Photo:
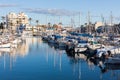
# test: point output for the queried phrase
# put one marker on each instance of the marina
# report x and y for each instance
(59, 40)
(58, 53)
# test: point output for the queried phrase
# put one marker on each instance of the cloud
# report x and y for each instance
(54, 12)
(8, 5)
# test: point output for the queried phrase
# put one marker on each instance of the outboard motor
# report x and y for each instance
(109, 53)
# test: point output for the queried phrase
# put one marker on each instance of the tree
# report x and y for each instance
(1, 26)
(3, 18)
(49, 24)
(43, 27)
(55, 26)
(85, 24)
(37, 21)
(30, 19)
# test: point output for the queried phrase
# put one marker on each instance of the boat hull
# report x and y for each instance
(7, 45)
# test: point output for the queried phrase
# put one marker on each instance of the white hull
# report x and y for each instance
(14, 45)
(115, 51)
(79, 49)
(15, 41)
(7, 45)
(96, 46)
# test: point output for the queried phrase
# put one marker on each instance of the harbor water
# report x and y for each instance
(36, 60)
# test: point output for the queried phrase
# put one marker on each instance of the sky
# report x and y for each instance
(65, 11)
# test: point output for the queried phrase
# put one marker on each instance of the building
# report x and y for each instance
(13, 20)
(98, 24)
(68, 28)
(22, 18)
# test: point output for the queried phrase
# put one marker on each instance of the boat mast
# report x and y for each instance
(111, 18)
(88, 19)
(72, 22)
(103, 22)
(46, 19)
(111, 22)
(60, 19)
(79, 22)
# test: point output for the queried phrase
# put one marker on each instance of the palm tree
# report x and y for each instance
(43, 27)
(49, 24)
(55, 26)
(60, 26)
(3, 19)
(37, 21)
(30, 19)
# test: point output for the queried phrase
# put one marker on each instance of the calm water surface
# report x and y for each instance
(35, 60)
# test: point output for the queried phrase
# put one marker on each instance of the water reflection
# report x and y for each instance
(13, 53)
(35, 60)
(95, 65)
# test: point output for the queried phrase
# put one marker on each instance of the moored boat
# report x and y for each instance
(6, 45)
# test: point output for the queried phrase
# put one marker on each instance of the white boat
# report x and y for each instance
(96, 46)
(6, 45)
(15, 41)
(115, 50)
(19, 40)
(81, 47)
(14, 45)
